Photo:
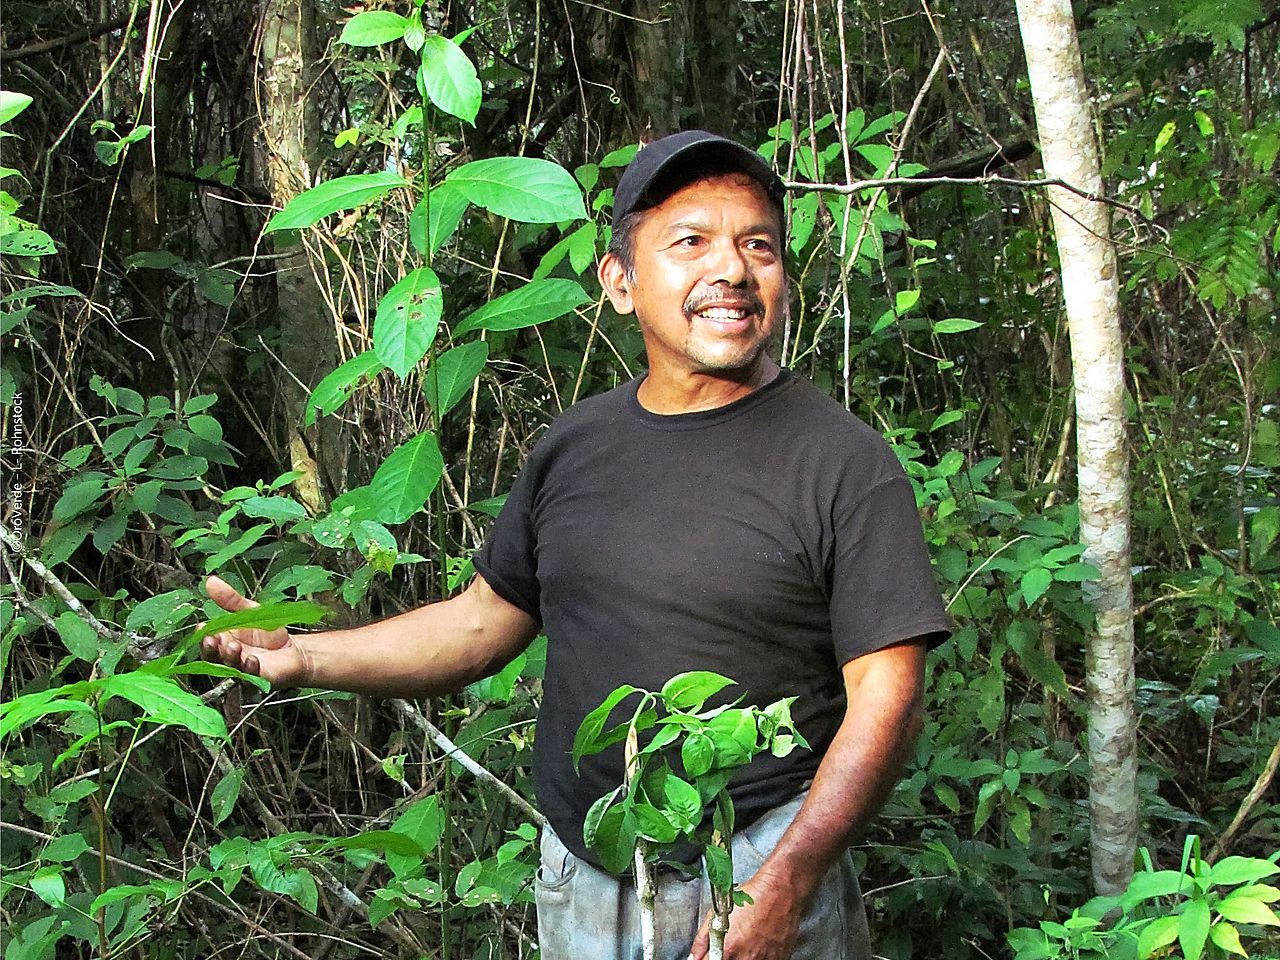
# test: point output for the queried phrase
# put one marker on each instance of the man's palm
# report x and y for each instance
(271, 654)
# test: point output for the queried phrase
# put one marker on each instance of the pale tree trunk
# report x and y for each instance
(289, 125)
(1091, 292)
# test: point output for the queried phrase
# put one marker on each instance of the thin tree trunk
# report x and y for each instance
(1091, 292)
(308, 342)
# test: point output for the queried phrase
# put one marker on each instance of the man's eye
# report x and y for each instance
(690, 241)
(761, 246)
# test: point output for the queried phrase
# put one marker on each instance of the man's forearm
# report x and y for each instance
(859, 769)
(438, 648)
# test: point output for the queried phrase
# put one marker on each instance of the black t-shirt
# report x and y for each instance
(770, 540)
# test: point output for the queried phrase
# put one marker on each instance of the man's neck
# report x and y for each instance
(671, 392)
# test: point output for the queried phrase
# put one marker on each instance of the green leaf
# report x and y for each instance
(423, 823)
(222, 799)
(436, 217)
(275, 509)
(450, 378)
(372, 27)
(341, 193)
(521, 188)
(697, 753)
(653, 824)
(595, 814)
(1035, 583)
(688, 691)
(535, 302)
(398, 842)
(199, 668)
(615, 839)
(719, 867)
(683, 801)
(735, 736)
(585, 740)
(235, 547)
(66, 848)
(448, 78)
(12, 104)
(1229, 871)
(77, 498)
(406, 478)
(268, 616)
(407, 319)
(336, 388)
(161, 614)
(1227, 938)
(47, 884)
(988, 794)
(955, 325)
(163, 701)
(77, 636)
(1243, 908)
(1156, 935)
(879, 155)
(1193, 928)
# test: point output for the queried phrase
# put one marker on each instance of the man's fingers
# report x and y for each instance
(702, 942)
(226, 596)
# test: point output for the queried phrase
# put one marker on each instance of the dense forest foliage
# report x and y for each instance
(291, 289)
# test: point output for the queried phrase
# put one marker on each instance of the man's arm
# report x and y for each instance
(435, 649)
(885, 691)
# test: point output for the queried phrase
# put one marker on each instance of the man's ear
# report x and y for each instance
(613, 278)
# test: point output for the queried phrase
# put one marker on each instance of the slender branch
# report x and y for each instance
(1260, 787)
(79, 36)
(454, 752)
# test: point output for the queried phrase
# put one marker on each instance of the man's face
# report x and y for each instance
(708, 285)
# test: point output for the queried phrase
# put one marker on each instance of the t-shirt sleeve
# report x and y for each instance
(508, 559)
(883, 589)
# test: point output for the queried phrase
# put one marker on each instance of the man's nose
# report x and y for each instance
(728, 265)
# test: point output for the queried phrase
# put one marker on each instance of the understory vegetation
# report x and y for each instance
(290, 291)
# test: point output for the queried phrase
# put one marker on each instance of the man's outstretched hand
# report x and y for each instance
(271, 654)
(764, 929)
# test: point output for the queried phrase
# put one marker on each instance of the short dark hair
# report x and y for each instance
(700, 167)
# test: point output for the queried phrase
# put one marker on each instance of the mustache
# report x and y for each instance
(698, 301)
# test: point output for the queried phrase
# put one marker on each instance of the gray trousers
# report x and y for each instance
(586, 914)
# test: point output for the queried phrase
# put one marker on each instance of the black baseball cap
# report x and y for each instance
(656, 162)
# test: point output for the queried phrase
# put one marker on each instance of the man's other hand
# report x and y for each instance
(764, 929)
(271, 654)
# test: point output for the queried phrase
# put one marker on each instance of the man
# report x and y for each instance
(716, 513)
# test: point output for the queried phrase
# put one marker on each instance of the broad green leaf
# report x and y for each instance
(1232, 870)
(406, 478)
(236, 547)
(955, 325)
(615, 839)
(735, 736)
(535, 302)
(878, 154)
(1193, 928)
(47, 884)
(423, 823)
(407, 319)
(591, 823)
(25, 709)
(653, 824)
(12, 104)
(1165, 135)
(164, 701)
(584, 741)
(448, 78)
(161, 614)
(335, 389)
(449, 379)
(341, 193)
(78, 498)
(683, 800)
(372, 27)
(386, 841)
(77, 636)
(222, 799)
(436, 217)
(697, 753)
(268, 616)
(1227, 938)
(521, 188)
(688, 691)
(944, 419)
(1242, 908)
(1035, 583)
(200, 668)
(66, 848)
(1156, 935)
(719, 867)
(276, 509)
